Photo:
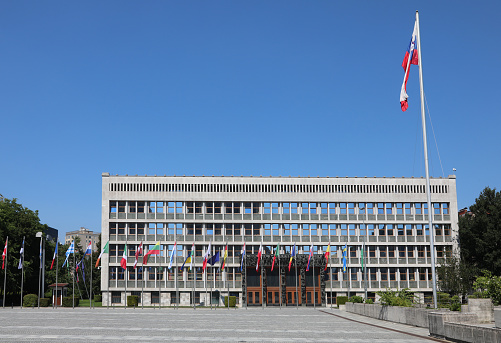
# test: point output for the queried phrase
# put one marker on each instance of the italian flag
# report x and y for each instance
(154, 251)
(105, 250)
(123, 263)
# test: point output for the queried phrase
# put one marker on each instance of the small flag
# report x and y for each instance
(40, 254)
(215, 258)
(327, 253)
(139, 252)
(105, 250)
(153, 251)
(88, 251)
(345, 253)
(224, 257)
(242, 253)
(173, 252)
(71, 250)
(4, 254)
(309, 258)
(292, 255)
(206, 257)
(259, 253)
(21, 258)
(275, 255)
(55, 254)
(411, 57)
(189, 258)
(123, 262)
(83, 267)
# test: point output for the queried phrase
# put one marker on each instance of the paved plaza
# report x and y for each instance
(200, 325)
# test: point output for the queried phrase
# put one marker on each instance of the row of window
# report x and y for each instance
(230, 229)
(272, 188)
(372, 251)
(276, 207)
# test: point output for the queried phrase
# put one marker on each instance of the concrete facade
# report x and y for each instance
(387, 215)
(85, 235)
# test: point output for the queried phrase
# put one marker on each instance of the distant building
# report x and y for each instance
(85, 236)
(51, 234)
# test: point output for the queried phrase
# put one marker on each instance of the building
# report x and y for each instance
(85, 236)
(51, 234)
(389, 216)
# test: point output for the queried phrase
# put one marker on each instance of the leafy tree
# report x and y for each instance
(488, 286)
(480, 232)
(456, 277)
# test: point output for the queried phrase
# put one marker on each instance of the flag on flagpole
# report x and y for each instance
(345, 253)
(224, 257)
(153, 251)
(215, 258)
(189, 257)
(309, 258)
(88, 251)
(327, 253)
(40, 253)
(259, 253)
(55, 254)
(275, 255)
(411, 57)
(172, 254)
(242, 254)
(139, 252)
(123, 262)
(105, 250)
(206, 257)
(293, 254)
(71, 250)
(4, 254)
(83, 267)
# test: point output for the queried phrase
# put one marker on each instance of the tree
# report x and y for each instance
(456, 277)
(480, 232)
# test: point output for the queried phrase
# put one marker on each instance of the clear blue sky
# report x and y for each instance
(239, 88)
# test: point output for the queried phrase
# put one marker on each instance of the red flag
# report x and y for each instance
(206, 257)
(259, 253)
(55, 254)
(4, 254)
(411, 57)
(139, 252)
(327, 253)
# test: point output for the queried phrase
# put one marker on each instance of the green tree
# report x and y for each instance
(455, 276)
(480, 232)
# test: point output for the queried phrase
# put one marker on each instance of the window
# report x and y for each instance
(384, 274)
(445, 208)
(403, 274)
(179, 207)
(380, 208)
(400, 229)
(447, 230)
(190, 229)
(342, 208)
(228, 208)
(217, 207)
(155, 297)
(274, 207)
(335, 273)
(344, 230)
(351, 208)
(113, 273)
(389, 208)
(354, 274)
(324, 208)
(372, 251)
(400, 208)
(287, 230)
(393, 274)
(382, 251)
(391, 251)
(370, 229)
(286, 208)
(198, 207)
(410, 251)
(113, 207)
(236, 207)
(438, 230)
(352, 230)
(361, 208)
(408, 208)
(419, 230)
(294, 207)
(389, 230)
(325, 229)
(294, 228)
(370, 208)
(313, 228)
(332, 208)
(408, 229)
(121, 207)
(112, 228)
(412, 274)
(116, 297)
(421, 250)
(171, 207)
(306, 229)
(401, 252)
(313, 207)
(373, 274)
(151, 207)
(304, 208)
(419, 208)
(160, 207)
(332, 229)
(381, 231)
(436, 208)
(267, 208)
(247, 208)
(275, 230)
(132, 207)
(267, 229)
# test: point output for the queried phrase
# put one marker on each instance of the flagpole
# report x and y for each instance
(57, 267)
(175, 278)
(194, 272)
(348, 270)
(295, 263)
(108, 280)
(314, 294)
(90, 296)
(22, 273)
(125, 273)
(5, 271)
(40, 270)
(245, 271)
(74, 271)
(160, 285)
(226, 272)
(279, 280)
(142, 283)
(425, 148)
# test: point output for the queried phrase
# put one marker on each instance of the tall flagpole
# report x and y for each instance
(22, 274)
(74, 271)
(125, 273)
(245, 271)
(314, 294)
(279, 279)
(175, 277)
(90, 295)
(425, 147)
(40, 270)
(295, 262)
(107, 278)
(143, 278)
(57, 265)
(348, 269)
(5, 271)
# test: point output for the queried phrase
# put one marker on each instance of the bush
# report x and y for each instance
(68, 301)
(233, 301)
(488, 286)
(396, 298)
(132, 300)
(98, 298)
(30, 300)
(443, 300)
(44, 302)
(356, 299)
(369, 301)
(341, 300)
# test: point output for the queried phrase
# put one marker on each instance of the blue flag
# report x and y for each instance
(345, 252)
(215, 258)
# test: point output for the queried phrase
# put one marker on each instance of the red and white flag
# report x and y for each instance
(309, 258)
(206, 258)
(123, 262)
(411, 57)
(55, 255)
(139, 252)
(259, 253)
(4, 254)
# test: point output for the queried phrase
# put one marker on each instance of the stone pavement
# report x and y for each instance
(200, 325)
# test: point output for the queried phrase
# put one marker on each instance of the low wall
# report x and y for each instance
(497, 316)
(405, 315)
(483, 308)
(460, 327)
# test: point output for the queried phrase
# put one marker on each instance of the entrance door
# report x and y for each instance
(273, 297)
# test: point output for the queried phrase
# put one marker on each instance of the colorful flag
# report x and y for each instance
(83, 267)
(327, 253)
(242, 254)
(292, 255)
(206, 258)
(123, 262)
(277, 253)
(411, 57)
(88, 251)
(40, 254)
(172, 254)
(189, 258)
(71, 250)
(345, 253)
(105, 250)
(309, 258)
(154, 251)
(214, 259)
(55, 254)
(259, 253)
(4, 254)
(224, 257)
(139, 252)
